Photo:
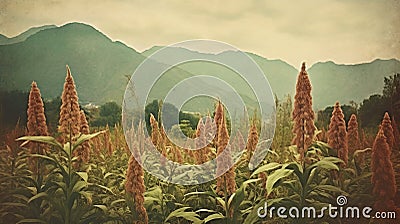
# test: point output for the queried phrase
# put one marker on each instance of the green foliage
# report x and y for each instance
(109, 114)
(13, 108)
(96, 194)
(191, 118)
(156, 108)
(61, 195)
(188, 120)
(284, 124)
(373, 108)
(52, 111)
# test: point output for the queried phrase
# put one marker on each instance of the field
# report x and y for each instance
(78, 174)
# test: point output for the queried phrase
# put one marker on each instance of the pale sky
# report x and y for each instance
(344, 31)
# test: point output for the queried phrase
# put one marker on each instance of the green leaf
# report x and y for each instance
(266, 168)
(87, 195)
(101, 187)
(13, 204)
(40, 195)
(311, 177)
(236, 199)
(296, 167)
(84, 175)
(67, 149)
(102, 207)
(327, 163)
(79, 185)
(365, 175)
(275, 177)
(222, 202)
(31, 221)
(205, 210)
(108, 174)
(245, 183)
(208, 193)
(253, 216)
(117, 201)
(213, 217)
(331, 188)
(82, 138)
(182, 213)
(44, 157)
(42, 139)
(156, 192)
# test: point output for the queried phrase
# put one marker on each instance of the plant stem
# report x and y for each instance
(226, 201)
(69, 180)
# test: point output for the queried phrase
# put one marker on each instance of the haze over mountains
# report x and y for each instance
(101, 66)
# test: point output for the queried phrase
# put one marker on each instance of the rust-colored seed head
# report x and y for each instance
(383, 181)
(107, 141)
(263, 176)
(96, 143)
(157, 138)
(252, 140)
(337, 135)
(225, 182)
(36, 118)
(396, 134)
(388, 130)
(303, 114)
(117, 137)
(36, 125)
(209, 129)
(240, 143)
(135, 187)
(176, 154)
(155, 133)
(210, 132)
(219, 113)
(12, 146)
(352, 135)
(69, 111)
(83, 152)
(202, 152)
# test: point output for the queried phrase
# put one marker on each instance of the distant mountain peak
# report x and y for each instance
(99, 63)
(4, 40)
(74, 25)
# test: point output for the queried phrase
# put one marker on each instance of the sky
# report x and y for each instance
(343, 31)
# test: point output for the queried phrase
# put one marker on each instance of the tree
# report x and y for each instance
(170, 111)
(391, 91)
(372, 110)
(13, 108)
(52, 110)
(109, 114)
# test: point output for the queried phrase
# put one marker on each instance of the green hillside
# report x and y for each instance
(332, 82)
(101, 66)
(23, 36)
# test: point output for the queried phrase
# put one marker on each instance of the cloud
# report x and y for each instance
(346, 31)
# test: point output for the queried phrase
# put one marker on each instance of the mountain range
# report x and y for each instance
(101, 68)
